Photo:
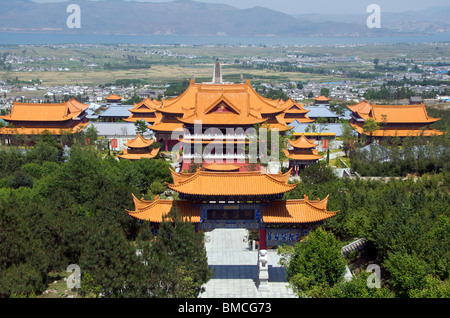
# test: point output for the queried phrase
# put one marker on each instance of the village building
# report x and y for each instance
(393, 120)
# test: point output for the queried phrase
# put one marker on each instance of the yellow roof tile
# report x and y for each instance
(154, 211)
(44, 112)
(303, 142)
(139, 142)
(296, 211)
(232, 183)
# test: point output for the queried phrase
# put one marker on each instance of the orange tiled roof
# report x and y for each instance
(45, 112)
(290, 211)
(413, 114)
(113, 97)
(313, 155)
(303, 143)
(322, 98)
(154, 211)
(166, 126)
(235, 104)
(296, 108)
(145, 106)
(297, 211)
(136, 155)
(231, 183)
(282, 177)
(40, 130)
(179, 177)
(75, 106)
(401, 114)
(399, 132)
(139, 142)
(134, 118)
(299, 119)
(363, 108)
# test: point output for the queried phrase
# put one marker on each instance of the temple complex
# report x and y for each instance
(393, 120)
(251, 200)
(34, 119)
(139, 148)
(215, 116)
(301, 153)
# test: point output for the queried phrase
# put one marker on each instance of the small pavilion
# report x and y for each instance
(301, 153)
(114, 99)
(139, 148)
(322, 100)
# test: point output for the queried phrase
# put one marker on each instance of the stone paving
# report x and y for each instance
(236, 268)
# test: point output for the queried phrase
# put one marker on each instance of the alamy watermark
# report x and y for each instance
(74, 280)
(374, 279)
(374, 19)
(241, 145)
(74, 19)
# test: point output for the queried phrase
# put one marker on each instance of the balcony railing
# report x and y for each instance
(215, 156)
(215, 136)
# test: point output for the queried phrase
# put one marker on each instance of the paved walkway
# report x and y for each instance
(236, 269)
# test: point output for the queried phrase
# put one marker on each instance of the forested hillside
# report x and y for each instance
(60, 208)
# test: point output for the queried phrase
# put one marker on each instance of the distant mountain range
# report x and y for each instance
(193, 18)
(431, 20)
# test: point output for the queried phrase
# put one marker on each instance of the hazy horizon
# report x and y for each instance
(311, 7)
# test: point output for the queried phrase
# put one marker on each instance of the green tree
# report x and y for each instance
(348, 135)
(141, 126)
(176, 261)
(407, 272)
(357, 288)
(23, 261)
(325, 92)
(111, 262)
(370, 126)
(433, 288)
(316, 264)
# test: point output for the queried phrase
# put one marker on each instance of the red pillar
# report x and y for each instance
(166, 142)
(262, 239)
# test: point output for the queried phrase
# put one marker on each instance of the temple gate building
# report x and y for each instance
(250, 200)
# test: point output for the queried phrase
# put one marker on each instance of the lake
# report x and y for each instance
(7, 38)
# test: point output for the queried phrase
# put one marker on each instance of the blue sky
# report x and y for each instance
(318, 6)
